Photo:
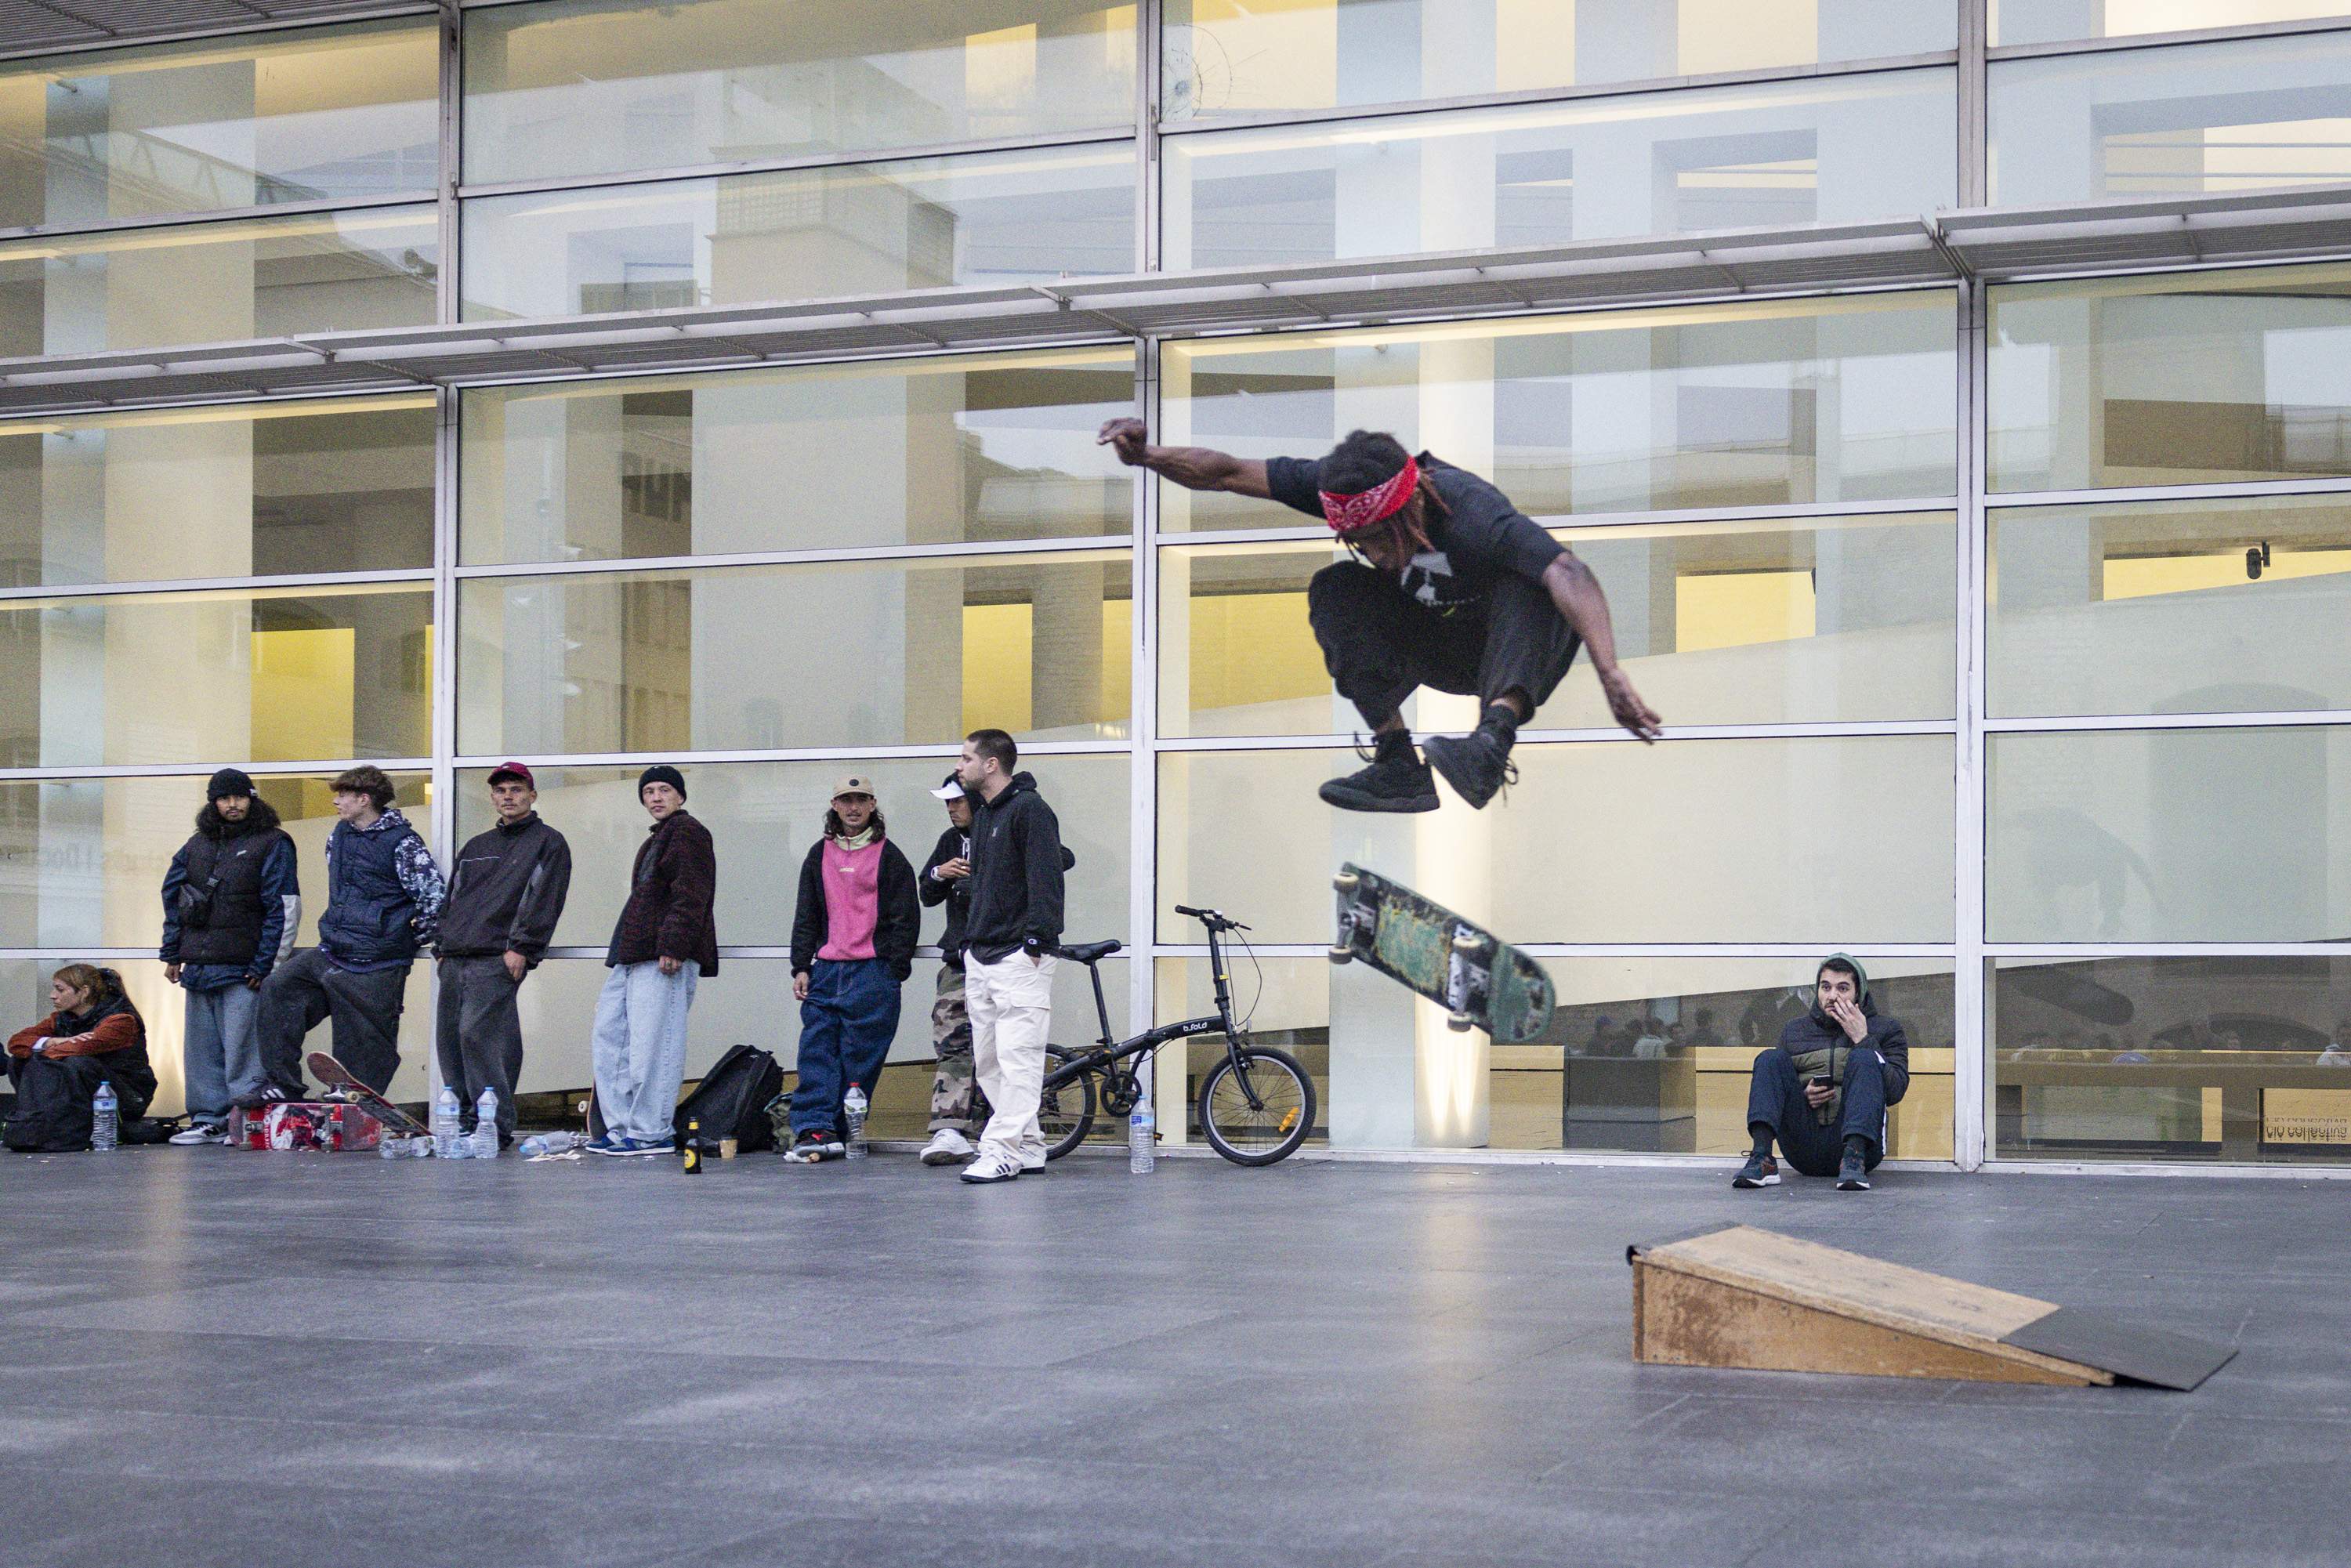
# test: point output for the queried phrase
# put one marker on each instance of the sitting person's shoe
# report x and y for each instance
(1760, 1170)
(1853, 1174)
(196, 1133)
(1395, 780)
(946, 1147)
(1478, 764)
(993, 1167)
(814, 1144)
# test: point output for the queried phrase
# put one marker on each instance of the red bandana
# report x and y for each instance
(1351, 514)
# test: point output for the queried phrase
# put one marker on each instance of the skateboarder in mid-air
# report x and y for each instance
(1450, 587)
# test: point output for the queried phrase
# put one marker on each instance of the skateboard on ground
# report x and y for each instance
(339, 1080)
(1481, 980)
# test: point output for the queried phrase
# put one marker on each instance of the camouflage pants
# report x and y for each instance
(955, 1103)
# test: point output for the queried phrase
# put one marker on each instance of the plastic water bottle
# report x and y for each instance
(853, 1106)
(485, 1126)
(539, 1144)
(1141, 1139)
(105, 1118)
(445, 1124)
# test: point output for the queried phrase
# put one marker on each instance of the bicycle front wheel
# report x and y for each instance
(1065, 1115)
(1258, 1112)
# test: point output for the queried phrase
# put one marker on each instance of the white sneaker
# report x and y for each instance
(946, 1147)
(200, 1133)
(993, 1167)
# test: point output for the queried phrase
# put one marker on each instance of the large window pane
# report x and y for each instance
(2171, 380)
(2057, 21)
(2224, 606)
(1644, 1055)
(589, 87)
(227, 122)
(1007, 217)
(2175, 835)
(339, 486)
(1730, 405)
(940, 451)
(859, 653)
(1240, 57)
(2170, 1059)
(82, 859)
(763, 816)
(1838, 149)
(1740, 623)
(220, 282)
(2193, 119)
(1842, 840)
(272, 675)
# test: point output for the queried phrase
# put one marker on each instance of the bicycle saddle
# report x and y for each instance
(1090, 951)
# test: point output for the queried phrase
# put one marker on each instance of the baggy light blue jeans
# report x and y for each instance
(220, 1054)
(640, 1048)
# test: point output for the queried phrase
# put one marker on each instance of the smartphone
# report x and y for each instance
(1823, 1081)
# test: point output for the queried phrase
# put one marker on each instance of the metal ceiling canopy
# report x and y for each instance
(2108, 236)
(43, 26)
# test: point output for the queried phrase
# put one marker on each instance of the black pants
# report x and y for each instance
(1775, 1098)
(306, 989)
(1380, 645)
(479, 1034)
(52, 1113)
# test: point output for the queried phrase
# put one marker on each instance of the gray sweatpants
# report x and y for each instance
(478, 1034)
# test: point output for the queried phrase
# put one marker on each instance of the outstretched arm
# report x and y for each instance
(1193, 468)
(1585, 608)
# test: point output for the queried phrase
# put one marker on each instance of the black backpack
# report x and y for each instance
(731, 1100)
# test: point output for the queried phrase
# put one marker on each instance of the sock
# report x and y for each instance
(1856, 1147)
(1762, 1130)
(1392, 746)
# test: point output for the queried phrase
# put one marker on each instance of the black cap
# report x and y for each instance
(229, 781)
(661, 773)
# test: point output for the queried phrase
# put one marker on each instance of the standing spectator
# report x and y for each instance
(92, 1035)
(1011, 930)
(857, 899)
(383, 902)
(232, 903)
(666, 937)
(506, 889)
(946, 879)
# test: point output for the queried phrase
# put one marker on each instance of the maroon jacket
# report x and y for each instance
(671, 890)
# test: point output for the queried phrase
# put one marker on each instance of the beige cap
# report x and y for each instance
(855, 784)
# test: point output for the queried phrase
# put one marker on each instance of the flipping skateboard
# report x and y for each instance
(1481, 980)
(339, 1080)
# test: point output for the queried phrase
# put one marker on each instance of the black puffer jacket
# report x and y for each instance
(1819, 1044)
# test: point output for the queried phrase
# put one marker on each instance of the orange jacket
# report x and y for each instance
(114, 1032)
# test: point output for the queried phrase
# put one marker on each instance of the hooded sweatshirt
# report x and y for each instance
(1819, 1044)
(853, 899)
(1016, 875)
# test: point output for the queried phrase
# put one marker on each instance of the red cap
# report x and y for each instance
(513, 770)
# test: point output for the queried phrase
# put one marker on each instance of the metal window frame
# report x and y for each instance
(2340, 22)
(386, 10)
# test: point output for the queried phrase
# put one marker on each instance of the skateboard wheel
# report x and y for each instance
(1460, 1023)
(1464, 944)
(1339, 954)
(1345, 881)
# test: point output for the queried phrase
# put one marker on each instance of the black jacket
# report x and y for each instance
(506, 890)
(955, 892)
(230, 898)
(897, 914)
(1823, 1039)
(1015, 874)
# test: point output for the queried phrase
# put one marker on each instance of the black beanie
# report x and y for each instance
(228, 782)
(661, 773)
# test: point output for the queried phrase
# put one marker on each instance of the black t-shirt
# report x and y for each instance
(1481, 535)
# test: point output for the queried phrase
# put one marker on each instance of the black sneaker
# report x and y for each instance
(1476, 765)
(1396, 780)
(1760, 1170)
(1853, 1175)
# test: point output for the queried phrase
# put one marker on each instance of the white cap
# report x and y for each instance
(950, 790)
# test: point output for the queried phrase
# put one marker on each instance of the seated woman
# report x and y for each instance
(94, 1036)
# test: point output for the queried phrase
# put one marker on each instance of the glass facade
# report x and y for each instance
(1997, 626)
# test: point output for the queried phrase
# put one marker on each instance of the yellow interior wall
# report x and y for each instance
(1734, 609)
(997, 643)
(1253, 648)
(2141, 576)
(303, 683)
(1117, 656)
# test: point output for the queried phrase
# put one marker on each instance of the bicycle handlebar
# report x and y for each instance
(1211, 918)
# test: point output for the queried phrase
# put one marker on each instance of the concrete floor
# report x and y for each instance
(239, 1358)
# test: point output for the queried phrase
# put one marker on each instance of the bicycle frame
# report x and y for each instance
(1107, 1053)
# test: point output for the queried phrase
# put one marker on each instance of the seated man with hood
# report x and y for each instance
(1822, 1091)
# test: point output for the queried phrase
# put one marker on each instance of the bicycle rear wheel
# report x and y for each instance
(1271, 1128)
(1065, 1115)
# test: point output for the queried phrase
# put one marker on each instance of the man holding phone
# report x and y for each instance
(1822, 1091)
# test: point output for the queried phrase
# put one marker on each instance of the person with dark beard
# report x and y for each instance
(232, 900)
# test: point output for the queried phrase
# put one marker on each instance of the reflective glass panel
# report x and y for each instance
(1246, 57)
(337, 485)
(2057, 21)
(590, 87)
(864, 653)
(1643, 1055)
(82, 859)
(764, 816)
(933, 451)
(1835, 839)
(2173, 835)
(1765, 156)
(272, 675)
(869, 228)
(2158, 607)
(312, 116)
(2233, 1059)
(1736, 622)
(220, 282)
(2194, 120)
(2198, 378)
(1717, 405)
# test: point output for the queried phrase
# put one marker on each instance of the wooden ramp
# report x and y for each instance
(1738, 1296)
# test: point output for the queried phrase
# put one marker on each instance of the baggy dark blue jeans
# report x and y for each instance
(1776, 1099)
(846, 1026)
